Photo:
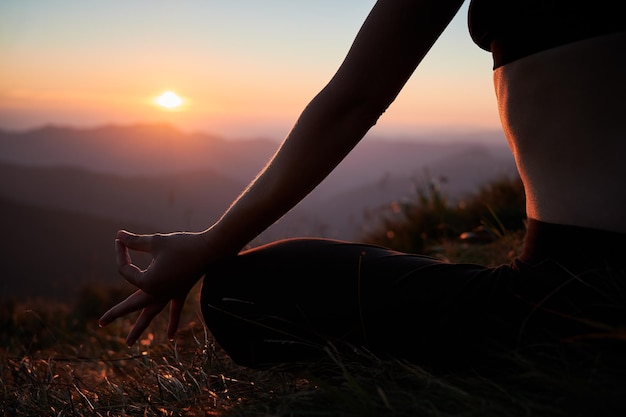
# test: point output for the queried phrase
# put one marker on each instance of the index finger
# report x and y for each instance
(134, 241)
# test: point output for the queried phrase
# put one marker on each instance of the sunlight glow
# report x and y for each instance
(169, 100)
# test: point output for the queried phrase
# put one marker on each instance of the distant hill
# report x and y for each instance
(52, 253)
(184, 200)
(65, 192)
(144, 149)
(158, 150)
(174, 180)
(457, 174)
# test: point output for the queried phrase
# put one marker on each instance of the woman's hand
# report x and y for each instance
(178, 262)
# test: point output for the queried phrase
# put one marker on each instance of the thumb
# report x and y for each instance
(125, 267)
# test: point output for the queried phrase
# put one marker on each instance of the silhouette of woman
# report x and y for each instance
(558, 74)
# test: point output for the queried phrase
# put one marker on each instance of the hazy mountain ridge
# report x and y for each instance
(158, 175)
(144, 149)
(169, 202)
(86, 184)
(154, 150)
(457, 174)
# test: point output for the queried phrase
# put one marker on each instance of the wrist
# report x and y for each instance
(218, 243)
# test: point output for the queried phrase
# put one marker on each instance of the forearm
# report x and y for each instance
(391, 43)
(324, 134)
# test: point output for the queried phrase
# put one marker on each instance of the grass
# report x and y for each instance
(56, 364)
(55, 361)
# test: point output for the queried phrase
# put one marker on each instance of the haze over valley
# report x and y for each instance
(65, 191)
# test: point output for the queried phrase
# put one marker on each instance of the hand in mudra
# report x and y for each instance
(178, 262)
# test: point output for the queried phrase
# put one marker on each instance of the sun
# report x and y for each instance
(169, 100)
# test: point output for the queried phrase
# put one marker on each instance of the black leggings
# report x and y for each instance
(292, 300)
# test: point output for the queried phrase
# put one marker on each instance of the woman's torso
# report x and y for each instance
(562, 103)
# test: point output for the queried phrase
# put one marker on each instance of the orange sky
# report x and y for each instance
(243, 70)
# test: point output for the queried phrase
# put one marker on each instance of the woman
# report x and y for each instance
(558, 77)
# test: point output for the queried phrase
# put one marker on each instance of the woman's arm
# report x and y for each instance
(392, 41)
(394, 38)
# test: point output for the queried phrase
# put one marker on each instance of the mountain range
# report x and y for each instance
(65, 191)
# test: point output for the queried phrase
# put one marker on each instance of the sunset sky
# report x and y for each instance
(242, 67)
